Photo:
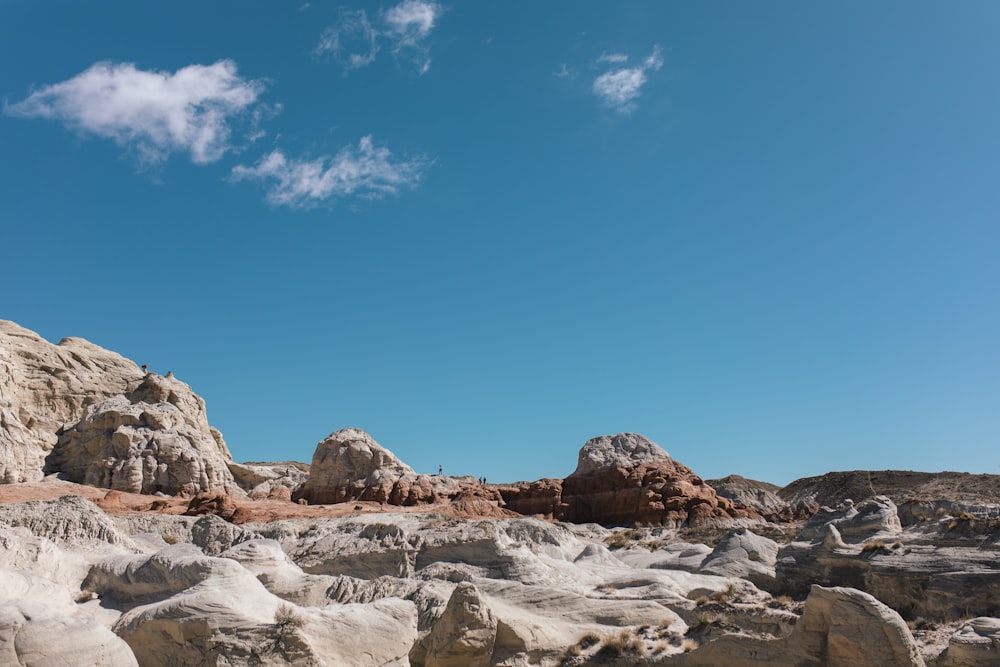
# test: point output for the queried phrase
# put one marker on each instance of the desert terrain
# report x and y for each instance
(129, 536)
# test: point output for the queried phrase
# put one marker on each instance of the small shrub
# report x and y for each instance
(703, 619)
(689, 645)
(287, 618)
(660, 647)
(170, 538)
(872, 546)
(588, 640)
(703, 600)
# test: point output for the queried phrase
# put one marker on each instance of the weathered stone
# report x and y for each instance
(626, 479)
(465, 634)
(45, 386)
(155, 439)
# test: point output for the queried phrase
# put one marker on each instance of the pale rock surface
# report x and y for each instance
(69, 521)
(760, 496)
(744, 554)
(182, 607)
(975, 644)
(214, 535)
(465, 634)
(45, 386)
(270, 480)
(625, 450)
(155, 439)
(33, 635)
(839, 627)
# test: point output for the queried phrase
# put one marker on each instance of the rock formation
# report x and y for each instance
(45, 386)
(465, 634)
(625, 479)
(840, 627)
(349, 465)
(156, 438)
(919, 495)
(759, 496)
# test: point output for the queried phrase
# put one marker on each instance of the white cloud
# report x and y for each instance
(613, 58)
(564, 71)
(152, 113)
(413, 19)
(367, 171)
(620, 88)
(354, 41)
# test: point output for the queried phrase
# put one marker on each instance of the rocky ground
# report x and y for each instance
(128, 536)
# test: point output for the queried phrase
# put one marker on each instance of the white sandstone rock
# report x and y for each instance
(44, 386)
(156, 439)
(625, 450)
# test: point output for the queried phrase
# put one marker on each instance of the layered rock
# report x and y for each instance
(350, 465)
(760, 496)
(155, 438)
(270, 480)
(840, 627)
(920, 495)
(626, 478)
(975, 644)
(45, 386)
(465, 634)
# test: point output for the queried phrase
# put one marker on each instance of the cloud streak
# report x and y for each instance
(619, 88)
(366, 171)
(355, 41)
(152, 113)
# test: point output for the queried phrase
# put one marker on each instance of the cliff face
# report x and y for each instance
(78, 409)
(44, 387)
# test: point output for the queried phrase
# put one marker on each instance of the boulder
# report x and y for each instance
(839, 627)
(742, 553)
(626, 479)
(976, 643)
(154, 439)
(44, 386)
(349, 466)
(465, 634)
(31, 633)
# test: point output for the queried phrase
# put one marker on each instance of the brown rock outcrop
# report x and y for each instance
(45, 386)
(626, 479)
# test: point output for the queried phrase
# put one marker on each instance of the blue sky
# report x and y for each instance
(765, 235)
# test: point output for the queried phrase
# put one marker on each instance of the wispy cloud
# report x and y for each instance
(354, 41)
(619, 88)
(366, 171)
(613, 58)
(564, 72)
(152, 113)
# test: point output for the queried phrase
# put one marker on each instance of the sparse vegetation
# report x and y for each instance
(288, 619)
(689, 645)
(873, 546)
(704, 619)
(170, 538)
